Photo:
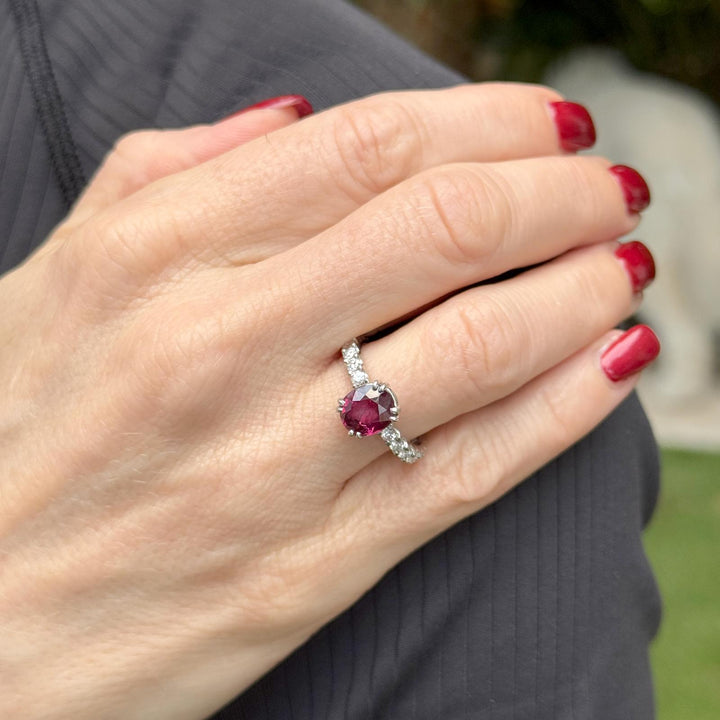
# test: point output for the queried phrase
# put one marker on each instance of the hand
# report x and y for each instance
(181, 507)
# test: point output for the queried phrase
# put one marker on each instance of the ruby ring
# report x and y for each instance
(371, 408)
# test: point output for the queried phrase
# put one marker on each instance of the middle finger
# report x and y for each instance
(441, 231)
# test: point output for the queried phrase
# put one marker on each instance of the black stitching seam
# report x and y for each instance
(48, 101)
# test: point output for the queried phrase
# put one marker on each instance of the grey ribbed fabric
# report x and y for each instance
(540, 607)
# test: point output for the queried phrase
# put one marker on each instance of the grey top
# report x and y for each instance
(539, 607)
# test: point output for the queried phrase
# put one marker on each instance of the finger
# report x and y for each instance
(141, 157)
(472, 461)
(487, 342)
(446, 229)
(313, 175)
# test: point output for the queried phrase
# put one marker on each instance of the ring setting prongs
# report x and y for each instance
(372, 408)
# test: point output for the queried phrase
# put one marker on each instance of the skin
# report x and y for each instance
(180, 506)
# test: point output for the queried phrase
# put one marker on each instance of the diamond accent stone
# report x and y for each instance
(399, 446)
(359, 378)
(390, 434)
(351, 351)
(354, 364)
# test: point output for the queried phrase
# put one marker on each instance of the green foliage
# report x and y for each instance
(683, 543)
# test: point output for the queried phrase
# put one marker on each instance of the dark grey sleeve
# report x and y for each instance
(540, 607)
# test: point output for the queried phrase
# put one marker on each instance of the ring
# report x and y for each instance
(371, 408)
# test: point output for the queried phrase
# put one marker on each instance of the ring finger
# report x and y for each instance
(481, 455)
(484, 344)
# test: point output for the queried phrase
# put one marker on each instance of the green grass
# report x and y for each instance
(683, 543)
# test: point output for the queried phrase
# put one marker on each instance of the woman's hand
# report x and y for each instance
(181, 507)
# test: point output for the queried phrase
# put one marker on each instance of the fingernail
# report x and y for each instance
(638, 262)
(300, 104)
(630, 353)
(634, 187)
(575, 126)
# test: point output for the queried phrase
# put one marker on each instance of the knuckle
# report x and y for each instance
(446, 203)
(280, 593)
(279, 583)
(98, 257)
(593, 289)
(191, 341)
(378, 143)
(142, 156)
(135, 145)
(582, 174)
(473, 470)
(115, 255)
(181, 360)
(477, 346)
(559, 427)
(132, 248)
(471, 347)
(466, 213)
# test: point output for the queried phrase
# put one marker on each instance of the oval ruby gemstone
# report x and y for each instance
(366, 410)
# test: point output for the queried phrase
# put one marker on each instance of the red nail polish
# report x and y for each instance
(575, 126)
(300, 104)
(634, 187)
(630, 353)
(638, 262)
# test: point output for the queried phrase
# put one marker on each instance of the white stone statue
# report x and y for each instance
(671, 134)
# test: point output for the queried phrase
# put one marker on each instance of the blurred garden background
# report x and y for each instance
(677, 40)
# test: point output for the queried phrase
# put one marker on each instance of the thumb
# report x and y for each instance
(140, 157)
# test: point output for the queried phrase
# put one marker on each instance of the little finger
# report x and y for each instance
(478, 457)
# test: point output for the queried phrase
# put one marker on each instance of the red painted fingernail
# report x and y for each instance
(634, 187)
(575, 126)
(638, 262)
(630, 353)
(300, 104)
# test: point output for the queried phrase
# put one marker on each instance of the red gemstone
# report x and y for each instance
(366, 410)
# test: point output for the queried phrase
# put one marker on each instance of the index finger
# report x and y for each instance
(300, 180)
